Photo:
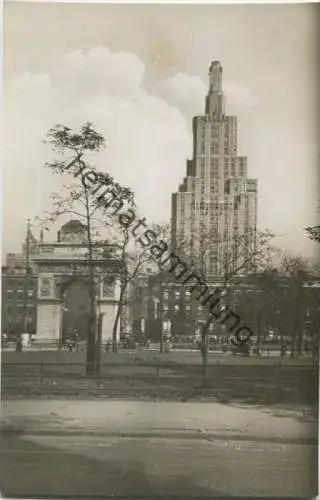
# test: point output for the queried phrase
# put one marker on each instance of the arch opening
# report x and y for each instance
(75, 310)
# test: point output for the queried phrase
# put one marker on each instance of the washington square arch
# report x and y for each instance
(63, 287)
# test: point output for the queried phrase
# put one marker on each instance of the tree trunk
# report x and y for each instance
(117, 319)
(161, 341)
(98, 344)
(91, 344)
(90, 355)
(115, 330)
(293, 340)
(300, 333)
(299, 340)
(204, 354)
(91, 340)
(161, 320)
(295, 330)
(259, 334)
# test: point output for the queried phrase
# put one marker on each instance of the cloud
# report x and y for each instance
(147, 132)
(100, 70)
(239, 94)
(188, 94)
(147, 137)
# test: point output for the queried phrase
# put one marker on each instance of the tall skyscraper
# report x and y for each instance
(215, 210)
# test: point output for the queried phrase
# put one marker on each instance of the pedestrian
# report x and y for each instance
(19, 344)
(283, 350)
(76, 341)
(315, 353)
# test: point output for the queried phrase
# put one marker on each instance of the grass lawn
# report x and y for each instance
(151, 375)
(150, 357)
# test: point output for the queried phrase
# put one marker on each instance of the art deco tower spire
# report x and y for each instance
(214, 99)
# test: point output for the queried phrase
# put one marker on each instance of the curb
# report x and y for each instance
(166, 434)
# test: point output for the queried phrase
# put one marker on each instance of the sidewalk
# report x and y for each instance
(129, 419)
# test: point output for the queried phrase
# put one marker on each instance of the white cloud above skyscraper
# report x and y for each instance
(105, 74)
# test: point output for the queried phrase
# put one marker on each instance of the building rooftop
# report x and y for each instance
(73, 225)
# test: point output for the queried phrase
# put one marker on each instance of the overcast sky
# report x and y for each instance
(139, 73)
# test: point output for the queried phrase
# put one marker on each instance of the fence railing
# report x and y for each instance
(274, 381)
(265, 348)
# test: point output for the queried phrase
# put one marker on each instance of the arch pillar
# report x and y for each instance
(48, 309)
(48, 320)
(107, 306)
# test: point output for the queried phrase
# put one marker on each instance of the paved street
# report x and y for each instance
(141, 448)
(151, 418)
(44, 465)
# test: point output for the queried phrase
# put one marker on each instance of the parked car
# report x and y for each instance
(129, 343)
(69, 342)
(241, 349)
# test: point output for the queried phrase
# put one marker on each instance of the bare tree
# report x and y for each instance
(296, 270)
(195, 254)
(161, 276)
(262, 304)
(246, 253)
(79, 198)
(131, 261)
(285, 300)
(241, 255)
(131, 255)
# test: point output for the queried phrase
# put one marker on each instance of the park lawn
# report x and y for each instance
(263, 392)
(150, 375)
(150, 357)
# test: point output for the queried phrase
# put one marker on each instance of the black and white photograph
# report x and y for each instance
(160, 280)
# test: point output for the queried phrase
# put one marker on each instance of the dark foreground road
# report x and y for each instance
(43, 465)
